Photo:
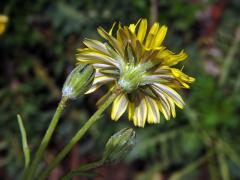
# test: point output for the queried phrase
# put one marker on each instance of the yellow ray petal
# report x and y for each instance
(140, 112)
(142, 30)
(111, 40)
(130, 110)
(153, 115)
(151, 35)
(171, 59)
(119, 106)
(182, 78)
(171, 93)
(96, 45)
(160, 36)
(111, 30)
(90, 56)
(163, 104)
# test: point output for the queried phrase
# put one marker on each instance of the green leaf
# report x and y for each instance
(25, 147)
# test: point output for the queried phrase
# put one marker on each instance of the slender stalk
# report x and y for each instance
(192, 166)
(78, 136)
(46, 139)
(82, 168)
(223, 165)
(229, 59)
(25, 146)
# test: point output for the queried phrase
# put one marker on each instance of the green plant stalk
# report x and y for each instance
(25, 146)
(46, 139)
(223, 165)
(78, 135)
(83, 168)
(192, 166)
(229, 60)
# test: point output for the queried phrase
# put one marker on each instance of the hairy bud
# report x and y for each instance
(78, 81)
(119, 145)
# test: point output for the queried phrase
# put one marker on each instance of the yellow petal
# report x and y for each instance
(163, 110)
(119, 106)
(98, 82)
(116, 45)
(142, 30)
(160, 36)
(130, 110)
(132, 27)
(163, 104)
(102, 79)
(182, 78)
(90, 56)
(111, 30)
(171, 93)
(153, 115)
(140, 112)
(172, 105)
(96, 45)
(151, 35)
(171, 59)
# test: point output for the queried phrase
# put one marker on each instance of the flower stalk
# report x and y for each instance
(46, 138)
(80, 133)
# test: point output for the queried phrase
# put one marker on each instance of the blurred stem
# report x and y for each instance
(237, 84)
(192, 166)
(42, 74)
(82, 168)
(223, 163)
(192, 117)
(153, 11)
(213, 171)
(46, 138)
(230, 152)
(229, 59)
(78, 135)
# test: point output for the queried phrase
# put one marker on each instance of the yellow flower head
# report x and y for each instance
(136, 61)
(3, 23)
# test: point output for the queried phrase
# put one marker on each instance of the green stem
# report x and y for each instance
(78, 136)
(223, 163)
(191, 167)
(82, 168)
(229, 60)
(46, 139)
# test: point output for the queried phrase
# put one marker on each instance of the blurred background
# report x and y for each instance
(37, 51)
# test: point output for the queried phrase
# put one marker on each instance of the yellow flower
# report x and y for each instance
(137, 62)
(3, 23)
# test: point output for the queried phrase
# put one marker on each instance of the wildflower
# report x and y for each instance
(137, 62)
(3, 23)
(78, 81)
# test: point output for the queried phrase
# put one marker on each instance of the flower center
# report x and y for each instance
(130, 78)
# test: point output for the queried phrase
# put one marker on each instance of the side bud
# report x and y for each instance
(118, 146)
(78, 81)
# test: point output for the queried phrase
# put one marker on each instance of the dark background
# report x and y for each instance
(38, 49)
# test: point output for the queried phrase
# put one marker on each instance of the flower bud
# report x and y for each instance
(78, 81)
(119, 145)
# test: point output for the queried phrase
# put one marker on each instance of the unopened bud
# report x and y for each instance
(119, 146)
(78, 81)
